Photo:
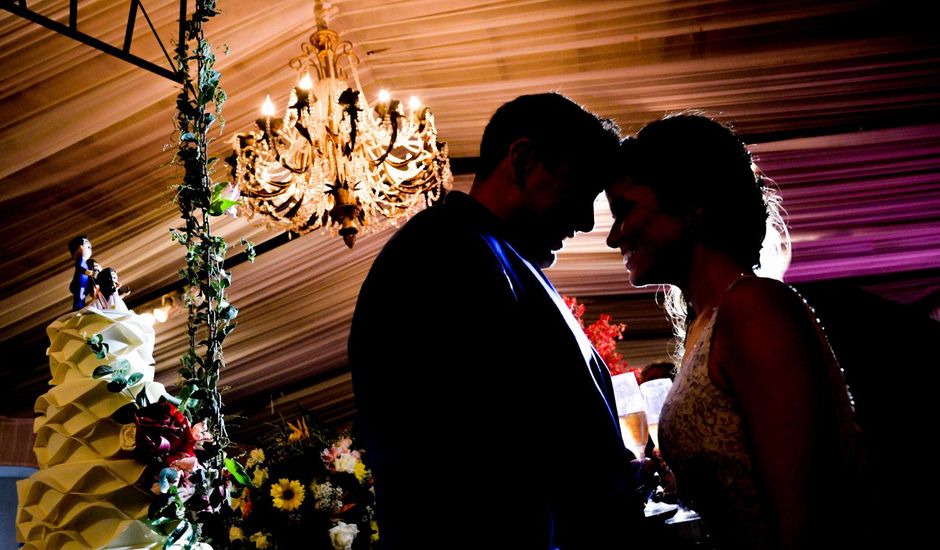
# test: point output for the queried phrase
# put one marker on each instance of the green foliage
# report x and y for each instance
(210, 315)
(97, 345)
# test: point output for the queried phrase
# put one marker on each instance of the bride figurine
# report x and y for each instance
(108, 295)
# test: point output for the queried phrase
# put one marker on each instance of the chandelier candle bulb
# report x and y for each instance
(414, 103)
(267, 108)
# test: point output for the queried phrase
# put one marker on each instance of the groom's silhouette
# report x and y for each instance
(487, 415)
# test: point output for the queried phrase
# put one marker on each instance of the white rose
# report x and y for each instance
(128, 437)
(346, 463)
(343, 535)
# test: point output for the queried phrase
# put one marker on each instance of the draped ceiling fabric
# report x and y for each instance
(839, 99)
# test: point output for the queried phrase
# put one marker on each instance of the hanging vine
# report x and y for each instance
(211, 316)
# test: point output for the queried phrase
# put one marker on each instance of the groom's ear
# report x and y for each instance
(521, 160)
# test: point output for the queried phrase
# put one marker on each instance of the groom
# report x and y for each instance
(484, 407)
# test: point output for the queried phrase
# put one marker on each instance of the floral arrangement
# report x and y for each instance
(304, 487)
(603, 335)
(160, 435)
(177, 452)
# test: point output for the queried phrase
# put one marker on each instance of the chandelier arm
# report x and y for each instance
(280, 188)
(394, 116)
(403, 162)
(293, 170)
(278, 157)
(303, 131)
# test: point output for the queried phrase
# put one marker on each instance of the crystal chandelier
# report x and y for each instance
(333, 161)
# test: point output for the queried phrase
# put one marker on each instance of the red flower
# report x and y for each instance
(246, 504)
(603, 336)
(161, 430)
(576, 309)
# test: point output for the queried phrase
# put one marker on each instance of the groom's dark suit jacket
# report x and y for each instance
(486, 423)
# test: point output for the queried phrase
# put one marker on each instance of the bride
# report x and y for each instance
(758, 427)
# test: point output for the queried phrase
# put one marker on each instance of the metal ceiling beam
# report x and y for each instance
(19, 8)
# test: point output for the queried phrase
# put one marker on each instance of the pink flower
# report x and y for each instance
(232, 194)
(333, 455)
(187, 464)
(201, 434)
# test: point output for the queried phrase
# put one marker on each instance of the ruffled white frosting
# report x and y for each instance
(87, 492)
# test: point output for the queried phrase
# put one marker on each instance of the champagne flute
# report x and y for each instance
(631, 409)
(654, 395)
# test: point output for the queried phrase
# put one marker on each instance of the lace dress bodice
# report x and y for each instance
(704, 442)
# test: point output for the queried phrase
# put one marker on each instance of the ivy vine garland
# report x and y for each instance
(210, 316)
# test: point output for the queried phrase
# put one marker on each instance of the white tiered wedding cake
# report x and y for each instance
(87, 493)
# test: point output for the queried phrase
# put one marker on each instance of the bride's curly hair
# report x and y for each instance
(697, 168)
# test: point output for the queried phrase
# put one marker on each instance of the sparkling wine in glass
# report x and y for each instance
(631, 409)
(654, 395)
(634, 428)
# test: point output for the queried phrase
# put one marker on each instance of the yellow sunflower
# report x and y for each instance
(287, 494)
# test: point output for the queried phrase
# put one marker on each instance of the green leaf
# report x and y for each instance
(187, 390)
(103, 370)
(135, 378)
(217, 189)
(117, 385)
(238, 472)
(103, 351)
(229, 313)
(217, 208)
(249, 250)
(198, 393)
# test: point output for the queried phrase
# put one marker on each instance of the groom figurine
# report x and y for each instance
(85, 270)
(488, 418)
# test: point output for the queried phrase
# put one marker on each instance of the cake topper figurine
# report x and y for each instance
(82, 285)
(109, 291)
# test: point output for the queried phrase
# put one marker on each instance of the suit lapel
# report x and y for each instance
(592, 360)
